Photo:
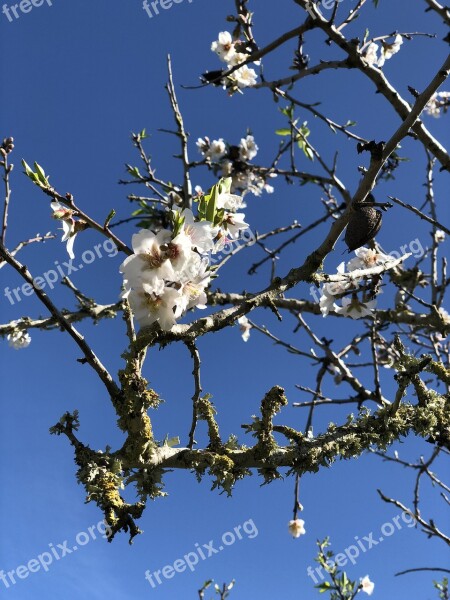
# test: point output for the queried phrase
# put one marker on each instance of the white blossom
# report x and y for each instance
(149, 306)
(367, 258)
(19, 340)
(227, 168)
(224, 47)
(234, 223)
(297, 527)
(388, 50)
(178, 251)
(194, 283)
(445, 316)
(60, 211)
(439, 236)
(149, 262)
(217, 149)
(69, 234)
(202, 145)
(236, 59)
(367, 586)
(352, 307)
(244, 326)
(330, 290)
(230, 202)
(371, 54)
(438, 101)
(245, 77)
(327, 301)
(248, 148)
(214, 150)
(64, 214)
(200, 233)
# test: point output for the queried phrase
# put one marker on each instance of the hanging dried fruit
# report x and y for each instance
(365, 223)
(363, 226)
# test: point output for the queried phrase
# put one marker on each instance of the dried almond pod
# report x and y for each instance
(364, 224)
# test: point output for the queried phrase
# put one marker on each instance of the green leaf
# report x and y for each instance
(283, 131)
(26, 166)
(41, 174)
(109, 218)
(211, 208)
(323, 587)
(134, 171)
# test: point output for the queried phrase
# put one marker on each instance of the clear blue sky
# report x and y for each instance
(78, 77)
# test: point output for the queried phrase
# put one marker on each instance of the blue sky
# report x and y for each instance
(78, 78)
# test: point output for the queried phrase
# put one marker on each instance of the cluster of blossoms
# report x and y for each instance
(351, 306)
(439, 102)
(233, 161)
(169, 271)
(387, 51)
(233, 53)
(19, 339)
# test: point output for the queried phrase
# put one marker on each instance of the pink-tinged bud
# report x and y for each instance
(62, 214)
(60, 211)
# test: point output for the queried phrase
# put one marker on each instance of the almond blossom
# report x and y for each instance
(224, 46)
(367, 586)
(149, 306)
(388, 50)
(19, 340)
(445, 316)
(331, 290)
(229, 201)
(193, 287)
(245, 77)
(69, 225)
(245, 327)
(352, 307)
(367, 258)
(248, 148)
(296, 527)
(234, 223)
(440, 101)
(150, 262)
(439, 236)
(214, 150)
(201, 233)
(371, 54)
